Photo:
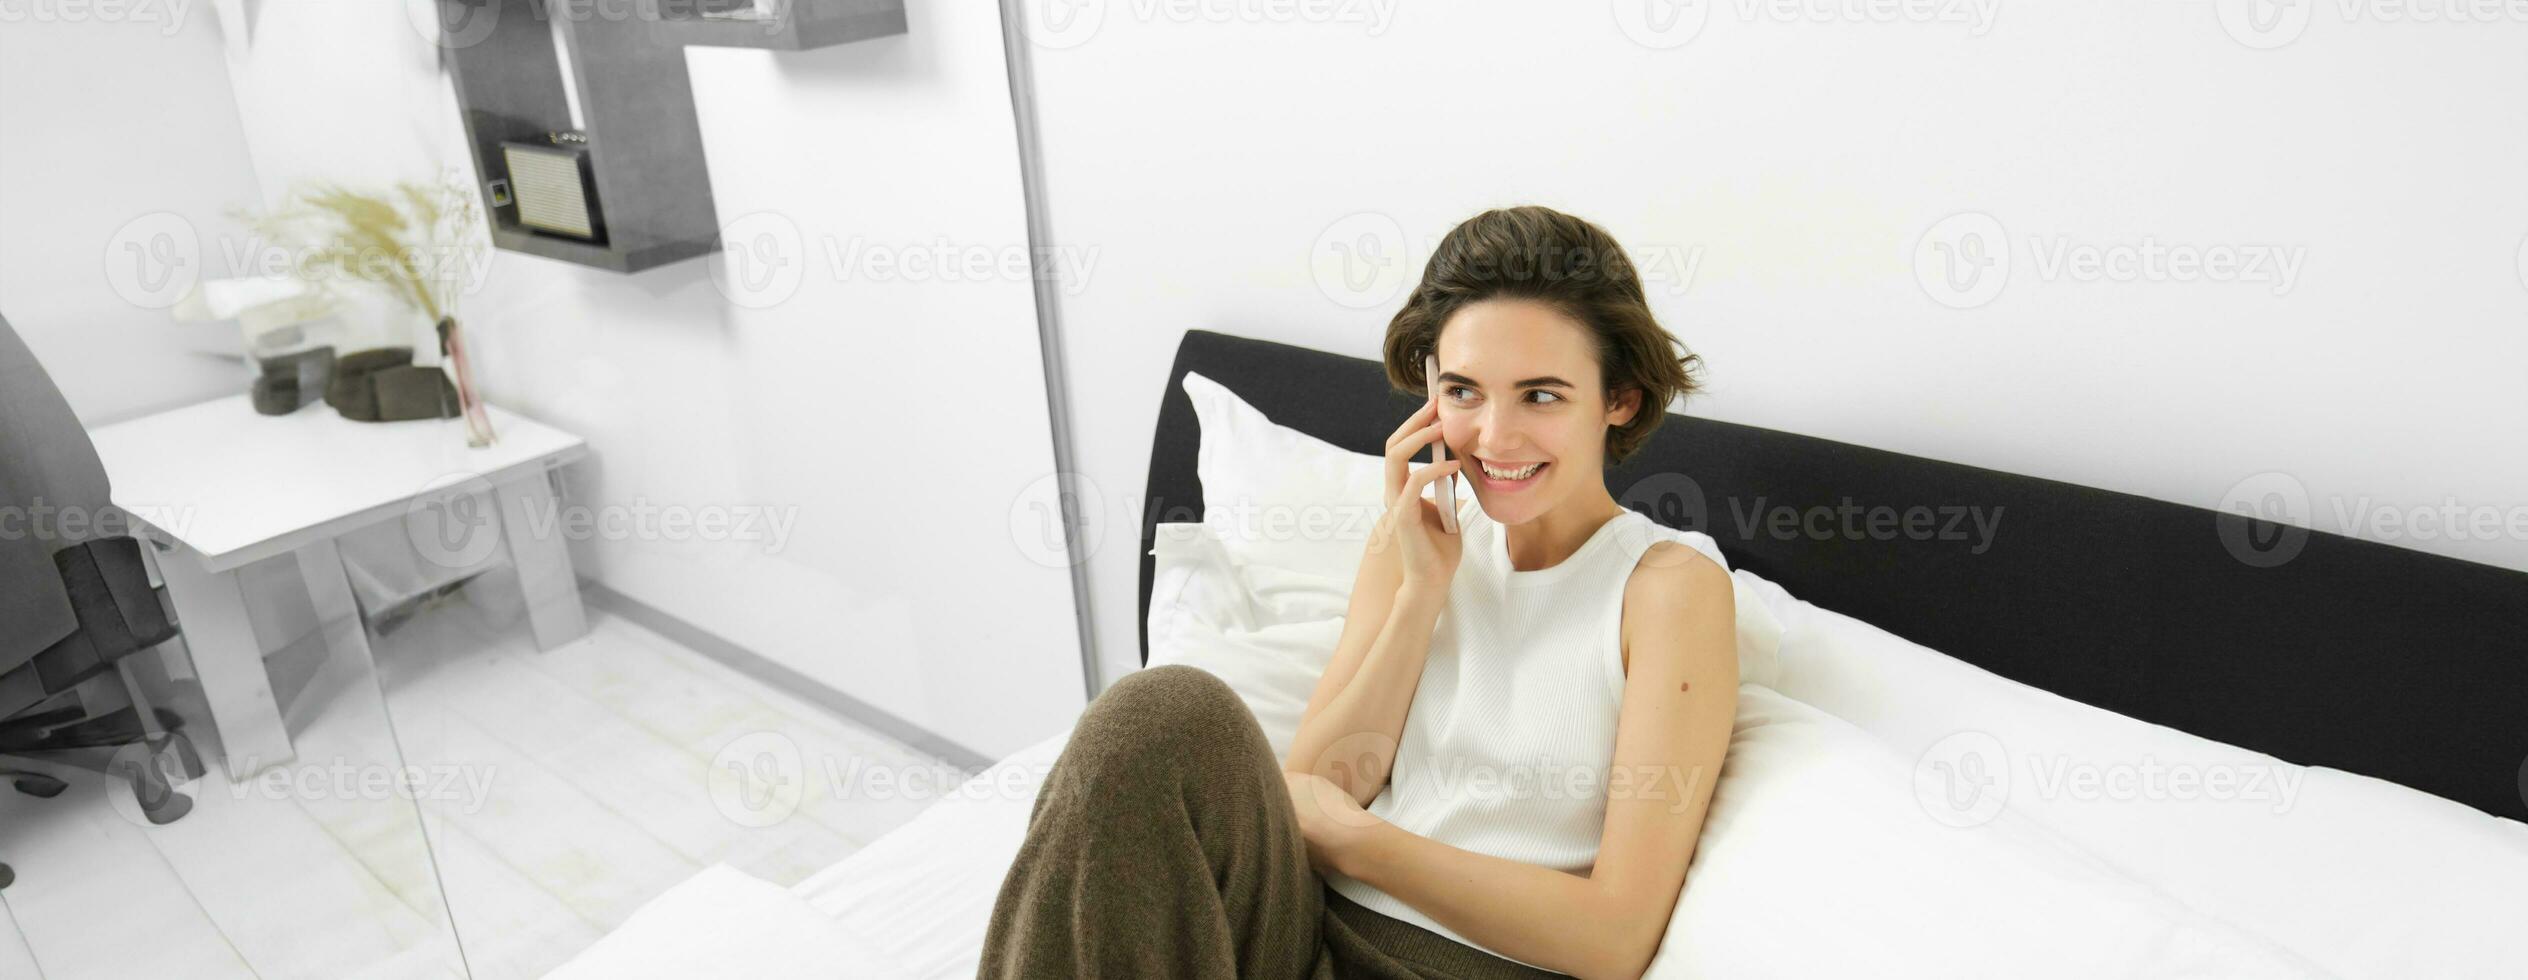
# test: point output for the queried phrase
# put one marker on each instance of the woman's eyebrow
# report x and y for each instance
(1546, 381)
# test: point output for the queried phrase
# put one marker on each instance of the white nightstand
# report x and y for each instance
(221, 487)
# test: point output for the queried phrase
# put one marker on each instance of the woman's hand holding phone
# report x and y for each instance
(1447, 485)
(1427, 552)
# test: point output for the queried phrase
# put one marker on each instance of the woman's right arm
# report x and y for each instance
(1354, 719)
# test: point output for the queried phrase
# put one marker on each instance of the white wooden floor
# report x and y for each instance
(558, 791)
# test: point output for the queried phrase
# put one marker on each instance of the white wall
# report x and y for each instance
(1207, 150)
(892, 417)
(115, 130)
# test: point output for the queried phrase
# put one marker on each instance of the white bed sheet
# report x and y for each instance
(923, 894)
(723, 922)
(921, 897)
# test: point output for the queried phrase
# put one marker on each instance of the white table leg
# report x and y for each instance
(530, 525)
(228, 661)
(338, 619)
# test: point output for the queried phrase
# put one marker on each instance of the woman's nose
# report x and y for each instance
(1486, 432)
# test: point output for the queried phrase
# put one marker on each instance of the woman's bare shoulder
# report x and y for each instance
(1670, 577)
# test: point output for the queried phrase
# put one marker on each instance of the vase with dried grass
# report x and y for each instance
(420, 243)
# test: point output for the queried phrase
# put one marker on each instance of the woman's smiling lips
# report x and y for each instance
(1482, 473)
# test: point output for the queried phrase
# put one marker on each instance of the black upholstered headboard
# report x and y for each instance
(2345, 653)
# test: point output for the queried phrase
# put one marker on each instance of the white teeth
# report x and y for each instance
(1518, 474)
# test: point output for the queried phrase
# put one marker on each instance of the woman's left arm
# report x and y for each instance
(1680, 703)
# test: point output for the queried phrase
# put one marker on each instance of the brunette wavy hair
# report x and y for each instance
(1541, 254)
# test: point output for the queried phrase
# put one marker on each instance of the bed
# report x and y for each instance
(1916, 617)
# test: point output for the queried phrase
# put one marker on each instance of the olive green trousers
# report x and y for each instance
(1163, 844)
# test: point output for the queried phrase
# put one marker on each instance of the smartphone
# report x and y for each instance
(1439, 447)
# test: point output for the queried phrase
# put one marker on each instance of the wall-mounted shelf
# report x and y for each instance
(782, 25)
(614, 256)
(636, 103)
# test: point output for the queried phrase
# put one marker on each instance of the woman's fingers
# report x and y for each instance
(1401, 454)
(1401, 445)
(1422, 478)
(1420, 417)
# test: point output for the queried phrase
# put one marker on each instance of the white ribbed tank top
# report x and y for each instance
(1511, 735)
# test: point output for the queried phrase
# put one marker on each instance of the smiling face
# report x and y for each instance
(1520, 395)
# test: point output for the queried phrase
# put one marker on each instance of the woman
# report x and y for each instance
(1505, 766)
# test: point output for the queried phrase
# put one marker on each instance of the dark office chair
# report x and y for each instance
(75, 601)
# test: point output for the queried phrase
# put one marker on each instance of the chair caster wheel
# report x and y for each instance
(157, 797)
(176, 757)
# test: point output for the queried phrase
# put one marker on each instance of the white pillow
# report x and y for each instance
(1270, 642)
(1282, 499)
(1817, 860)
(2362, 876)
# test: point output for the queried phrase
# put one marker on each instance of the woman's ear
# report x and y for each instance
(1621, 404)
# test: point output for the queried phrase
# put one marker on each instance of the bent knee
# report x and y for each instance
(1169, 702)
(1171, 690)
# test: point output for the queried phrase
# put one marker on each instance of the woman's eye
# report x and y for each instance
(1452, 391)
(1547, 394)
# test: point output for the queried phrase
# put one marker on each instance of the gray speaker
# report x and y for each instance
(555, 190)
